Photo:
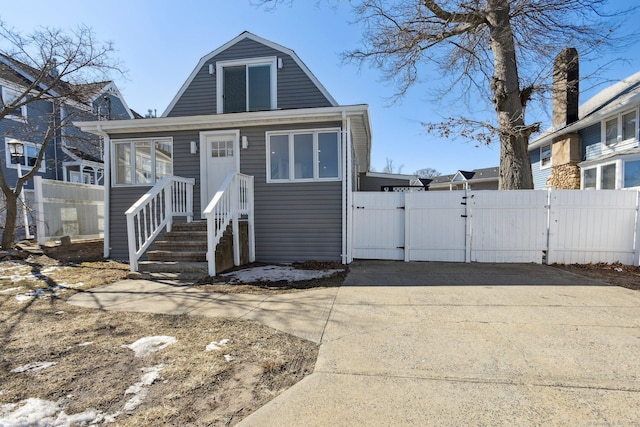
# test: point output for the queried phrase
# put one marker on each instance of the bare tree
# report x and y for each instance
(427, 173)
(391, 168)
(47, 69)
(500, 49)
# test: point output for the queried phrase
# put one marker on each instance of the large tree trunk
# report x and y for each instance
(9, 232)
(515, 167)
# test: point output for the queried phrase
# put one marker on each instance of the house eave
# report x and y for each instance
(587, 121)
(359, 115)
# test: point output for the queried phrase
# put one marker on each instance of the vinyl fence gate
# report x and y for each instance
(537, 226)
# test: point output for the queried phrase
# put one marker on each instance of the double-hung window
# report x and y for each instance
(27, 160)
(246, 85)
(545, 156)
(306, 155)
(10, 95)
(620, 128)
(142, 161)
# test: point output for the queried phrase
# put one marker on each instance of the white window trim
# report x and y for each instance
(272, 61)
(598, 167)
(25, 168)
(620, 143)
(10, 91)
(548, 165)
(132, 160)
(290, 134)
(634, 158)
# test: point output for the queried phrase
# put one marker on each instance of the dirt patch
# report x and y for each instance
(616, 274)
(266, 287)
(88, 250)
(88, 371)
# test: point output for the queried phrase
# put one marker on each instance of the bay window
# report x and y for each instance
(309, 155)
(142, 161)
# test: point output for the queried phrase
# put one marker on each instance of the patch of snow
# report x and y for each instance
(213, 345)
(140, 390)
(84, 344)
(228, 357)
(147, 345)
(59, 312)
(274, 273)
(32, 367)
(6, 291)
(40, 412)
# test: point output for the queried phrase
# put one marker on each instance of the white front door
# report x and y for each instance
(219, 156)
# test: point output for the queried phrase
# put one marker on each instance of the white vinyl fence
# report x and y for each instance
(68, 209)
(539, 226)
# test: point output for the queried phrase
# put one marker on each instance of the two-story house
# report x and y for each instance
(71, 155)
(593, 146)
(250, 108)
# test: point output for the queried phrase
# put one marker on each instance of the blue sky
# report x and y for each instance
(159, 43)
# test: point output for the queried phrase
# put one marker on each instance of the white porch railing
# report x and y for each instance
(233, 199)
(171, 196)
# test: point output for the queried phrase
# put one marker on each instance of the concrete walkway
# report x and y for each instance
(438, 344)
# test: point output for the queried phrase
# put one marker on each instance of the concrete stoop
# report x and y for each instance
(183, 254)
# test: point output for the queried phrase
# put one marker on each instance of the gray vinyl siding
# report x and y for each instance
(185, 164)
(591, 142)
(540, 176)
(372, 183)
(295, 89)
(293, 221)
(38, 114)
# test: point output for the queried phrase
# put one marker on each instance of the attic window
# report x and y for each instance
(247, 85)
(8, 96)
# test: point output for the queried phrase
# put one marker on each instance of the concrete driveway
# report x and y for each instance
(470, 344)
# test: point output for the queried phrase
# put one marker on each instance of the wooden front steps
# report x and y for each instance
(182, 255)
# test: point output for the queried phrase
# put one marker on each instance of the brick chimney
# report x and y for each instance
(565, 149)
(566, 76)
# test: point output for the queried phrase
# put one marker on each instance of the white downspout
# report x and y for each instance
(345, 178)
(106, 178)
(349, 193)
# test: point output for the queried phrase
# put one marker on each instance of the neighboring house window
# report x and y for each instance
(309, 155)
(27, 161)
(247, 85)
(545, 156)
(8, 96)
(621, 128)
(589, 178)
(142, 161)
(608, 177)
(631, 174)
(80, 178)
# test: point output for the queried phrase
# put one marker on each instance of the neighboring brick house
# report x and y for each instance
(593, 146)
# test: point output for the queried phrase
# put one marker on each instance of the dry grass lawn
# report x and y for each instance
(96, 379)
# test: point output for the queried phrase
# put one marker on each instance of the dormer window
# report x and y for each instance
(620, 128)
(246, 85)
(8, 96)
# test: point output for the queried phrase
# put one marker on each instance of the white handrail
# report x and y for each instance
(171, 196)
(234, 198)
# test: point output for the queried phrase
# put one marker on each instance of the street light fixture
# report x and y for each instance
(16, 149)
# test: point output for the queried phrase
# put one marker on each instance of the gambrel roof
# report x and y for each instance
(268, 43)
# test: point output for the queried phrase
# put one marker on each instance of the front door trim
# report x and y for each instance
(204, 152)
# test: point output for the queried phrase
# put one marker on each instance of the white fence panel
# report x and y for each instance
(593, 226)
(378, 225)
(68, 209)
(508, 226)
(436, 226)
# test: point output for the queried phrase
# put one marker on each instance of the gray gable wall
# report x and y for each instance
(295, 88)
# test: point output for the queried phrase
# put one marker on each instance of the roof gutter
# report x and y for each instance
(594, 118)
